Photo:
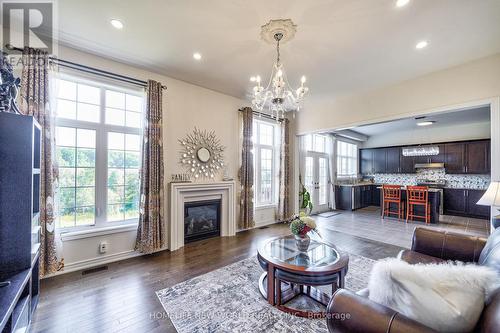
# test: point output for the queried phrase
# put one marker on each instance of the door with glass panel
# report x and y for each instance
(316, 180)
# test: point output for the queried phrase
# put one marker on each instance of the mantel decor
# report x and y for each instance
(202, 154)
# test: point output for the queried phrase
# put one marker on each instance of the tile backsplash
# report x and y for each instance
(453, 181)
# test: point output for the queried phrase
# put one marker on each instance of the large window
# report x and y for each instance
(315, 142)
(347, 157)
(266, 159)
(98, 143)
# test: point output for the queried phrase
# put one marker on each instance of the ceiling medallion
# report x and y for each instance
(202, 154)
(278, 96)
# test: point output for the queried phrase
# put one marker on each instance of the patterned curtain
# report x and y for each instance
(246, 172)
(35, 102)
(284, 174)
(151, 229)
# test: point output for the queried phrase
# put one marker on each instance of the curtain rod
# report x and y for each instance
(261, 114)
(90, 70)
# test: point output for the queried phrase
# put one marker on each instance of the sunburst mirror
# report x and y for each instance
(202, 154)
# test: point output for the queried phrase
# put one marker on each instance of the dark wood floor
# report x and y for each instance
(122, 298)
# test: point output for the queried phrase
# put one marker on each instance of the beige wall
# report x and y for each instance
(468, 82)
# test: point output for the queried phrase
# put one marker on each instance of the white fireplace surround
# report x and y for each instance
(189, 192)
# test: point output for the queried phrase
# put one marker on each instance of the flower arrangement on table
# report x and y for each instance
(300, 226)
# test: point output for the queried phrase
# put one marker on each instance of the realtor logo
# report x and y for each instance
(28, 24)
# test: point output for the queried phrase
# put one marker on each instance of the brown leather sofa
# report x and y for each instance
(350, 312)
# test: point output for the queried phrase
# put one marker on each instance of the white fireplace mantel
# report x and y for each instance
(186, 192)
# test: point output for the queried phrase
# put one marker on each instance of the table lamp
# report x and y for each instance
(492, 198)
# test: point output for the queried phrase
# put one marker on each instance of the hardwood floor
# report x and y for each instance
(122, 298)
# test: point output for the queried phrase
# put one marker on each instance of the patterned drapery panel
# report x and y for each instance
(284, 173)
(246, 172)
(35, 102)
(151, 229)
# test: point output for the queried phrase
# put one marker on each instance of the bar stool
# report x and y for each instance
(392, 195)
(417, 196)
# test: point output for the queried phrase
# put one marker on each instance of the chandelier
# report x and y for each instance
(278, 97)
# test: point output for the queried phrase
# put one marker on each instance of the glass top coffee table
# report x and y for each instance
(290, 273)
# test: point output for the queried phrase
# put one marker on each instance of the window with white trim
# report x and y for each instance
(266, 141)
(347, 159)
(98, 146)
(315, 142)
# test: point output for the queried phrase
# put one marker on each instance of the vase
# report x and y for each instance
(302, 242)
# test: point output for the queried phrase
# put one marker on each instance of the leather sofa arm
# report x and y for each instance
(447, 245)
(348, 312)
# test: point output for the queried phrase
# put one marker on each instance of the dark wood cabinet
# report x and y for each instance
(478, 157)
(462, 202)
(355, 197)
(366, 161)
(407, 164)
(392, 159)
(379, 160)
(455, 157)
(439, 158)
(375, 195)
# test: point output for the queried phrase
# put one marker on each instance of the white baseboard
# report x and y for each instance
(265, 222)
(89, 263)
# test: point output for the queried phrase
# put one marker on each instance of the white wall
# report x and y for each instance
(184, 107)
(430, 134)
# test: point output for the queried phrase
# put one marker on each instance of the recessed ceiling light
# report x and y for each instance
(197, 56)
(421, 45)
(117, 24)
(425, 123)
(402, 3)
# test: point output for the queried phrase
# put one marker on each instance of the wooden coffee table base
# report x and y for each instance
(290, 291)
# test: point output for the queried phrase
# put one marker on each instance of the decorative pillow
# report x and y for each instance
(447, 297)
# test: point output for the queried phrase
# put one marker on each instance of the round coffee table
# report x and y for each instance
(289, 272)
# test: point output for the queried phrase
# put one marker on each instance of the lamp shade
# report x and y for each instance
(492, 195)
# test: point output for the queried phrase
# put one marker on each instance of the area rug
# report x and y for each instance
(228, 300)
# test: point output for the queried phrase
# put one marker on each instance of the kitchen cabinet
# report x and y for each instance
(407, 164)
(478, 157)
(455, 157)
(354, 197)
(379, 160)
(366, 161)
(375, 195)
(392, 159)
(462, 202)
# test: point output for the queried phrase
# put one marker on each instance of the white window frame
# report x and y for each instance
(311, 138)
(275, 148)
(338, 157)
(102, 129)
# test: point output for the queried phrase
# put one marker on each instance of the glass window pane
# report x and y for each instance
(131, 194)
(134, 103)
(116, 212)
(132, 160)
(65, 109)
(66, 197)
(116, 141)
(133, 119)
(66, 89)
(131, 210)
(85, 196)
(85, 138)
(66, 136)
(266, 134)
(115, 117)
(132, 178)
(115, 99)
(132, 142)
(116, 176)
(85, 157)
(85, 177)
(66, 177)
(66, 156)
(116, 158)
(88, 94)
(66, 217)
(85, 215)
(116, 194)
(88, 112)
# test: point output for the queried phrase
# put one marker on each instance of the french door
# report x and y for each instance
(316, 180)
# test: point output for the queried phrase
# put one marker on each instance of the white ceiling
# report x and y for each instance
(342, 46)
(470, 116)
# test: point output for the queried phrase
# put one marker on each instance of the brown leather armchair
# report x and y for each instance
(350, 312)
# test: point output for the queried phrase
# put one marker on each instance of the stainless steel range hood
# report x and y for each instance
(429, 165)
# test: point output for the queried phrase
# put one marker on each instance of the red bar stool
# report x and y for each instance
(417, 196)
(392, 195)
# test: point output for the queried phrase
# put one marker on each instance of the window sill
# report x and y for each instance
(88, 233)
(267, 206)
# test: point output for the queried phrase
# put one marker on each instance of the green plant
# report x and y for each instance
(301, 224)
(305, 198)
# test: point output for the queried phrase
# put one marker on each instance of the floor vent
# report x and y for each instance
(264, 227)
(95, 270)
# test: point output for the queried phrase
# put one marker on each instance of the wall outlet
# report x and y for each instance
(103, 247)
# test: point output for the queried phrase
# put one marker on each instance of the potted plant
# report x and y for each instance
(300, 226)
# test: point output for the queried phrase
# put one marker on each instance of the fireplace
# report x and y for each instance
(201, 220)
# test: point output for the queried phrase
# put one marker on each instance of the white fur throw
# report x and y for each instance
(447, 297)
